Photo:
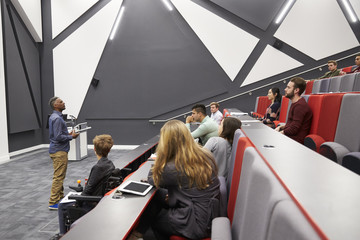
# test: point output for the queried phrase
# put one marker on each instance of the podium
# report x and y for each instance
(78, 146)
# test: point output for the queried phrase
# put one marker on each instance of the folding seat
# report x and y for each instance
(261, 105)
(347, 83)
(348, 69)
(237, 135)
(352, 162)
(325, 121)
(316, 86)
(356, 87)
(284, 109)
(258, 192)
(347, 136)
(335, 84)
(315, 102)
(288, 222)
(324, 85)
(309, 87)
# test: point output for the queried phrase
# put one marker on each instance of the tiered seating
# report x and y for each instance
(347, 137)
(284, 110)
(258, 203)
(261, 105)
(325, 110)
(345, 83)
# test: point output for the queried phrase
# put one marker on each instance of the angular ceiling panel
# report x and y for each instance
(76, 58)
(317, 28)
(257, 12)
(229, 45)
(270, 63)
(30, 12)
(64, 12)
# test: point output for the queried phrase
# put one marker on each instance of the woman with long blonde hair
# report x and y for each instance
(187, 198)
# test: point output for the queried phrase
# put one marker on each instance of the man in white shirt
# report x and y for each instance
(215, 113)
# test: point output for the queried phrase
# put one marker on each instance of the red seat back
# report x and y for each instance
(315, 103)
(243, 143)
(329, 115)
(263, 103)
(309, 87)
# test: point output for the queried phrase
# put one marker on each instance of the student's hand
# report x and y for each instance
(278, 129)
(282, 132)
(189, 119)
(342, 73)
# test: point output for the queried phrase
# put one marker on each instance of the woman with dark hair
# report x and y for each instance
(221, 146)
(188, 193)
(273, 111)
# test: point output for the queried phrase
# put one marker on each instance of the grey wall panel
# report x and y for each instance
(31, 58)
(155, 64)
(21, 113)
(258, 12)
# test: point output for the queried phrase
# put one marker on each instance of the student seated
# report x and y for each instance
(221, 146)
(187, 198)
(299, 119)
(208, 128)
(98, 174)
(273, 111)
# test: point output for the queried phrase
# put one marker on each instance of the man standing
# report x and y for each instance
(215, 113)
(333, 71)
(59, 148)
(207, 129)
(300, 115)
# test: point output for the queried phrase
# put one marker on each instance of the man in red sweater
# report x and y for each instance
(299, 118)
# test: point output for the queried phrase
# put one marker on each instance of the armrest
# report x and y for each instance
(221, 229)
(313, 141)
(333, 151)
(85, 198)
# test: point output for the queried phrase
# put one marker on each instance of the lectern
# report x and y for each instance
(78, 146)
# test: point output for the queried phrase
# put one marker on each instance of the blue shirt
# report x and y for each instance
(58, 133)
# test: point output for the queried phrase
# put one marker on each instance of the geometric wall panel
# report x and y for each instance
(356, 6)
(270, 63)
(229, 45)
(65, 12)
(22, 81)
(257, 12)
(30, 12)
(4, 146)
(317, 28)
(76, 58)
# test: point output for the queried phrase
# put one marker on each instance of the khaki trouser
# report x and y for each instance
(60, 161)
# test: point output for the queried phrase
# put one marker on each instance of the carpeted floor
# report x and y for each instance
(25, 184)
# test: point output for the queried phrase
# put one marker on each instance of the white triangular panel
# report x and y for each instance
(65, 12)
(30, 13)
(317, 28)
(229, 45)
(76, 58)
(356, 6)
(270, 63)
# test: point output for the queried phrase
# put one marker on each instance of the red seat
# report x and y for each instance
(324, 125)
(309, 86)
(242, 145)
(262, 104)
(283, 111)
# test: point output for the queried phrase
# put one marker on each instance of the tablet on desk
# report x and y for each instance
(135, 187)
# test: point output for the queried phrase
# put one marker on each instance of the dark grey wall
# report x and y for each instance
(155, 68)
(22, 79)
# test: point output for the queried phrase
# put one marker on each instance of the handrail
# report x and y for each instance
(249, 91)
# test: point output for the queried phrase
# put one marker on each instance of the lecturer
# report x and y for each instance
(59, 148)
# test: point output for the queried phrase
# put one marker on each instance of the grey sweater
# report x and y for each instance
(221, 150)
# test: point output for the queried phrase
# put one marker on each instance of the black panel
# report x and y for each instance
(31, 58)
(155, 64)
(258, 12)
(21, 113)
